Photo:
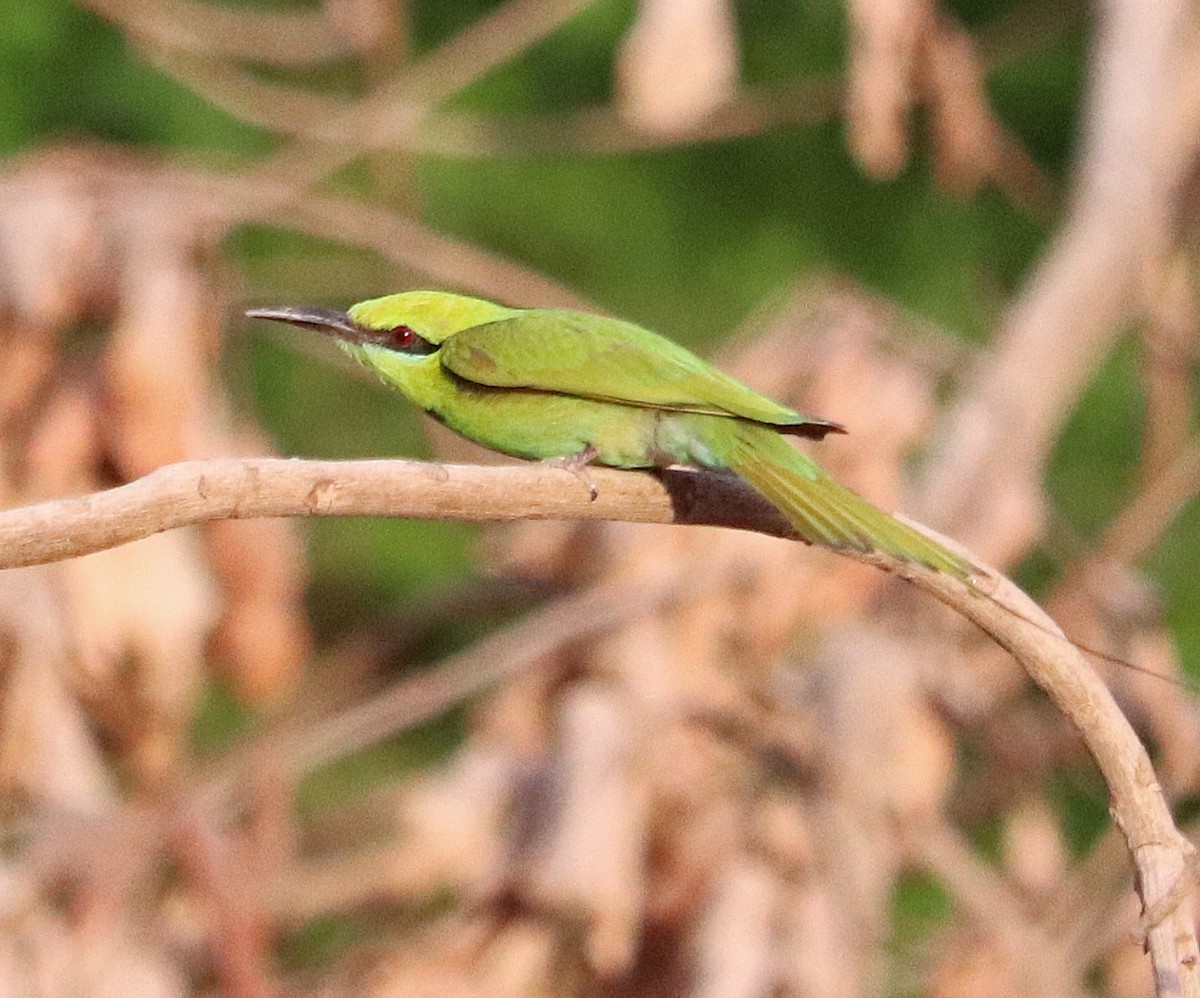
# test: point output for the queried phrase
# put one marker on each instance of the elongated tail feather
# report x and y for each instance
(822, 511)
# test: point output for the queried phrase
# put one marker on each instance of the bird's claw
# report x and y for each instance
(577, 465)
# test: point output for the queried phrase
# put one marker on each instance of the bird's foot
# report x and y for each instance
(577, 464)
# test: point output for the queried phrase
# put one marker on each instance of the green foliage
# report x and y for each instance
(349, 779)
(68, 75)
(1175, 566)
(1083, 807)
(920, 906)
(1091, 474)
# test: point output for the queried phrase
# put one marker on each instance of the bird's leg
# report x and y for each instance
(577, 464)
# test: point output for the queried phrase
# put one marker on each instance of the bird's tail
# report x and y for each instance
(821, 510)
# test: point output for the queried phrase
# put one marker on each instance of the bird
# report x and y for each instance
(577, 389)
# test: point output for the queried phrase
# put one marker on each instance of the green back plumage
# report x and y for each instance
(594, 357)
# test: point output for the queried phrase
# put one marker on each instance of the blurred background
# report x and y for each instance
(393, 758)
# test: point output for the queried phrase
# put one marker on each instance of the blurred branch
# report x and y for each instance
(195, 492)
(219, 31)
(86, 182)
(603, 130)
(597, 130)
(278, 108)
(1140, 142)
(406, 241)
(1170, 331)
(1136, 528)
(398, 106)
(310, 742)
(1141, 523)
(992, 902)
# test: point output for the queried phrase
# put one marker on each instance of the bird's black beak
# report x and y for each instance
(329, 321)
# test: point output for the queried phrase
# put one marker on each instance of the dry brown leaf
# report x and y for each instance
(734, 944)
(62, 451)
(43, 954)
(677, 65)
(47, 751)
(889, 753)
(1035, 854)
(53, 252)
(372, 27)
(469, 961)
(264, 637)
(966, 139)
(27, 357)
(815, 960)
(1127, 975)
(591, 864)
(161, 394)
(452, 826)
(150, 605)
(691, 846)
(971, 967)
(885, 41)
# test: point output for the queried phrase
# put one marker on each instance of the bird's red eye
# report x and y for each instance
(404, 339)
(401, 337)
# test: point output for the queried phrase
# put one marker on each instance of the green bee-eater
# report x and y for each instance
(547, 383)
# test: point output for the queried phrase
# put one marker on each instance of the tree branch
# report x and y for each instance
(201, 491)
(191, 492)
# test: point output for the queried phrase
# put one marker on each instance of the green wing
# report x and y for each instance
(573, 353)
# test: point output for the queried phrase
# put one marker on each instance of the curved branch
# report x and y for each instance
(1161, 855)
(202, 491)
